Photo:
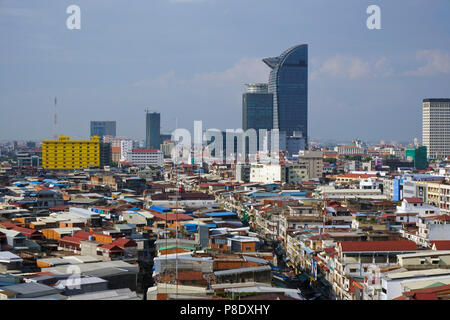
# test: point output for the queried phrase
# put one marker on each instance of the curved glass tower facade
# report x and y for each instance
(288, 82)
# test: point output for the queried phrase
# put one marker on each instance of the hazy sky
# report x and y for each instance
(190, 59)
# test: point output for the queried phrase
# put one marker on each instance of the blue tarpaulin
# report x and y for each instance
(160, 209)
(193, 227)
(221, 214)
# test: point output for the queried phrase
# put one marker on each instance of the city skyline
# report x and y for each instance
(188, 73)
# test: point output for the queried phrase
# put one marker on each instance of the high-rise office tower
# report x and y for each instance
(105, 154)
(436, 127)
(288, 82)
(257, 109)
(103, 128)
(153, 130)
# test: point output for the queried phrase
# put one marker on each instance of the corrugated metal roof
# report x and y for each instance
(61, 284)
(242, 270)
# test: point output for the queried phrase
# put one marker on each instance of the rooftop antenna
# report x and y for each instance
(55, 122)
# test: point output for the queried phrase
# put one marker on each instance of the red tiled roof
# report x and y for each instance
(429, 290)
(82, 235)
(111, 247)
(413, 200)
(442, 217)
(27, 232)
(441, 244)
(69, 239)
(170, 216)
(8, 224)
(309, 182)
(368, 246)
(59, 208)
(124, 242)
(144, 150)
(425, 293)
(330, 250)
(357, 175)
(320, 236)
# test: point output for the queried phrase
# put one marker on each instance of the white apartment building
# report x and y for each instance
(349, 150)
(416, 205)
(333, 193)
(146, 157)
(436, 127)
(271, 173)
(389, 284)
(125, 147)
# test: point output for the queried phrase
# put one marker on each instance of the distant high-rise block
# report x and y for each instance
(288, 82)
(105, 154)
(103, 128)
(436, 127)
(153, 130)
(70, 154)
(257, 107)
(418, 156)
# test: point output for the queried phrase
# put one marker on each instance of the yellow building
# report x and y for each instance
(70, 154)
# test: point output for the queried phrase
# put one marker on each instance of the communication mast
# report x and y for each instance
(55, 122)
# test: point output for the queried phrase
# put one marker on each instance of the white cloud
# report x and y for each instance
(162, 81)
(436, 62)
(349, 67)
(342, 67)
(245, 70)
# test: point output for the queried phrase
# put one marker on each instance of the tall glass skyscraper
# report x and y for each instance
(103, 128)
(153, 130)
(257, 107)
(288, 82)
(257, 111)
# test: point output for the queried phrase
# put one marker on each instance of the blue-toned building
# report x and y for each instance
(153, 130)
(257, 107)
(397, 187)
(257, 110)
(288, 82)
(103, 128)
